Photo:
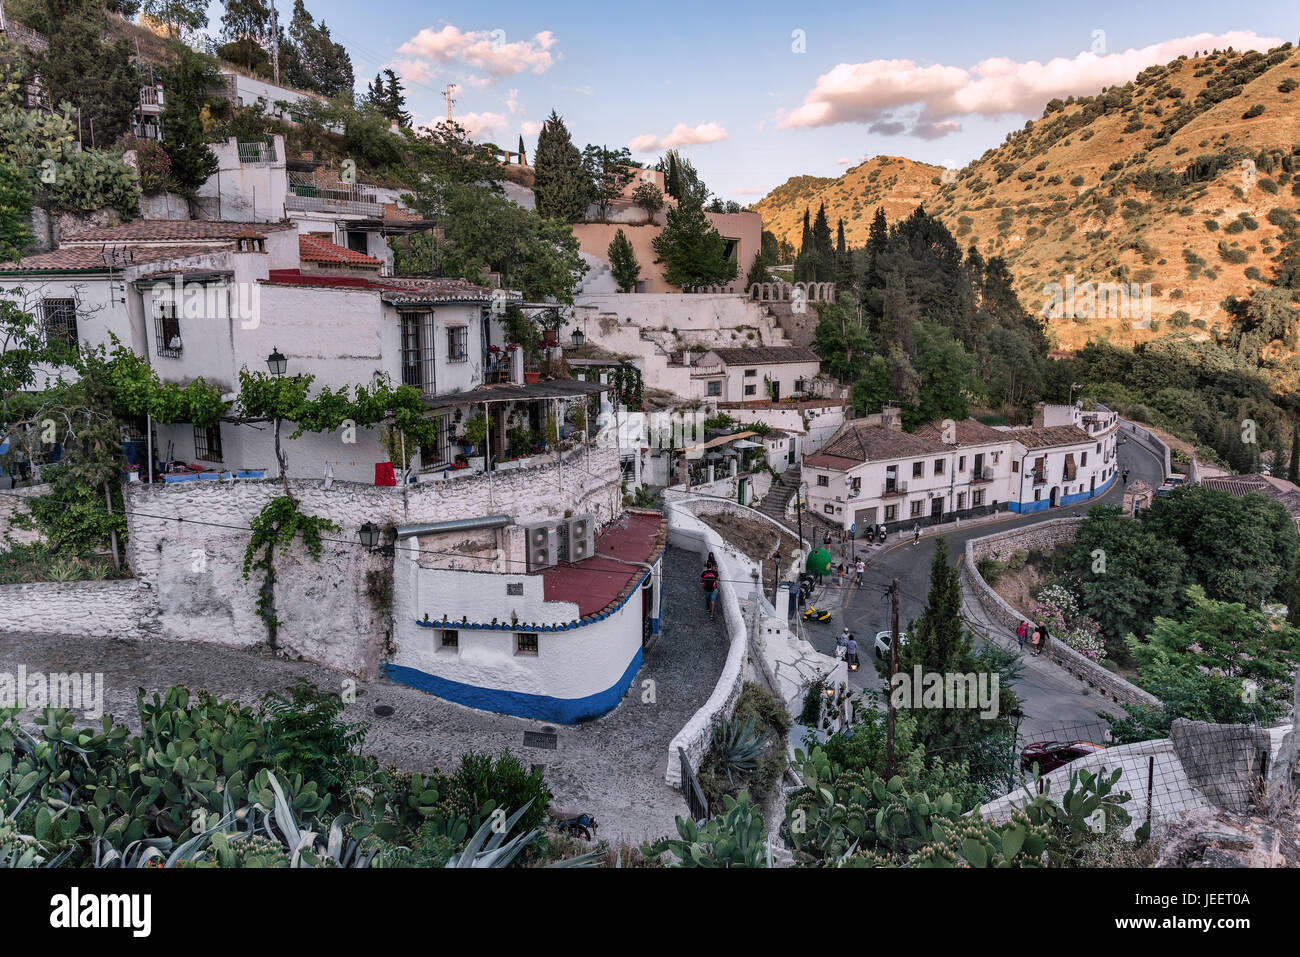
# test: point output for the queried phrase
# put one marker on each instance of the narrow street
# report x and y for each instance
(1052, 700)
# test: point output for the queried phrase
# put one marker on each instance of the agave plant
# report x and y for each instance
(738, 748)
(489, 847)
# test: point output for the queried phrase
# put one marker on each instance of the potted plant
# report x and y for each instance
(132, 473)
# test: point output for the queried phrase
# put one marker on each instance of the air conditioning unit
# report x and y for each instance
(542, 546)
(578, 538)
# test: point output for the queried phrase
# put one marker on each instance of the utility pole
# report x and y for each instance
(893, 670)
(447, 92)
(275, 45)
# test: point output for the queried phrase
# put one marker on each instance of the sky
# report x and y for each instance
(753, 93)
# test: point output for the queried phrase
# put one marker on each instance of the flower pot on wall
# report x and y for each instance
(531, 377)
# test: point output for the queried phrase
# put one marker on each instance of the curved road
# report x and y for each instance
(1055, 704)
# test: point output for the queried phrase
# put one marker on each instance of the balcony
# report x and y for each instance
(307, 195)
(151, 100)
(1040, 476)
(984, 474)
(256, 151)
(892, 489)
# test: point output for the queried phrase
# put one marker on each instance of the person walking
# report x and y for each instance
(1037, 641)
(916, 533)
(862, 572)
(851, 653)
(1125, 474)
(709, 579)
(1022, 632)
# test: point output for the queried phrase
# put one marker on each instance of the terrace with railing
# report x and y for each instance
(893, 488)
(257, 151)
(306, 195)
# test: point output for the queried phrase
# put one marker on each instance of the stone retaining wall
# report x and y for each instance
(687, 531)
(12, 502)
(1042, 535)
(97, 609)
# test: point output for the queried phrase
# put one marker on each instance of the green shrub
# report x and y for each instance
(482, 784)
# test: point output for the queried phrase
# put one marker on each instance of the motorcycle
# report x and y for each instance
(814, 614)
(572, 821)
(880, 530)
(871, 535)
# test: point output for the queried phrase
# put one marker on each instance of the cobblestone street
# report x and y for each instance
(612, 768)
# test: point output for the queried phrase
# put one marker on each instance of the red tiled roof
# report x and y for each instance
(90, 258)
(1044, 437)
(870, 443)
(599, 581)
(176, 230)
(836, 463)
(968, 432)
(314, 249)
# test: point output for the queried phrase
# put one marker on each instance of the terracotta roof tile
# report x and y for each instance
(969, 432)
(1044, 437)
(870, 443)
(88, 258)
(765, 355)
(314, 249)
(173, 230)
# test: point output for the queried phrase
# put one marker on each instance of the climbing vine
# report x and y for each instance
(277, 525)
(628, 387)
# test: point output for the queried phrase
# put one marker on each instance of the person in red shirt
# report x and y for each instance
(709, 578)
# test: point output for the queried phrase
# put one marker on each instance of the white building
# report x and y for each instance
(555, 638)
(873, 473)
(754, 373)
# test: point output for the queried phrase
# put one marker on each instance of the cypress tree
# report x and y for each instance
(622, 262)
(561, 185)
(1293, 470)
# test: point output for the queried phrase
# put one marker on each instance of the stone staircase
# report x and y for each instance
(778, 497)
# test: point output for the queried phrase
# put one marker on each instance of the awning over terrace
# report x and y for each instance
(506, 392)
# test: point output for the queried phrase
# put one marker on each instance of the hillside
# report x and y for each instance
(1183, 178)
(893, 183)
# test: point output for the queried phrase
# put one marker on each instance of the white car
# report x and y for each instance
(883, 638)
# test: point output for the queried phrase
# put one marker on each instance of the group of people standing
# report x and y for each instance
(1036, 635)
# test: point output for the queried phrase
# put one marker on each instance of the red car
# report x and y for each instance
(1050, 755)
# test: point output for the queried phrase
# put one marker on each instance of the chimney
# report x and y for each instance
(891, 418)
(686, 357)
(1038, 415)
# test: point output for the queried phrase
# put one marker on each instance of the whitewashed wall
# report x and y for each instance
(107, 609)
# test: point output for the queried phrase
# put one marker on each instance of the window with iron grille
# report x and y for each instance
(450, 639)
(167, 329)
(417, 351)
(457, 343)
(207, 443)
(59, 320)
(916, 508)
(440, 452)
(525, 644)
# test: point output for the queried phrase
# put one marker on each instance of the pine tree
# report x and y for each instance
(246, 30)
(692, 252)
(1293, 470)
(561, 185)
(622, 262)
(79, 67)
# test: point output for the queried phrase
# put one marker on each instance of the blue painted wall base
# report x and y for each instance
(1024, 508)
(518, 703)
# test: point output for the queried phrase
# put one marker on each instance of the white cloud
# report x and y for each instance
(488, 50)
(681, 135)
(531, 128)
(749, 191)
(901, 96)
(477, 125)
(843, 161)
(512, 103)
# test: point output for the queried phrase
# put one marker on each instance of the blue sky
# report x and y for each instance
(939, 82)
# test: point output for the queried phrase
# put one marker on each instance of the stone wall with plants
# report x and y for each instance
(1042, 535)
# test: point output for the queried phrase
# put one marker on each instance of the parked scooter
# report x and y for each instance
(871, 534)
(814, 614)
(880, 531)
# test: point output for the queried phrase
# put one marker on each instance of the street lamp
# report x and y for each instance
(369, 534)
(577, 338)
(1016, 716)
(277, 363)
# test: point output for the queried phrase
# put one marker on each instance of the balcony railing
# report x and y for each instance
(256, 151)
(1040, 477)
(152, 96)
(306, 195)
(983, 474)
(893, 488)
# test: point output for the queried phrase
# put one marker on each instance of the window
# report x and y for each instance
(440, 452)
(526, 645)
(961, 463)
(358, 242)
(457, 343)
(714, 388)
(1083, 458)
(207, 443)
(891, 513)
(938, 466)
(751, 389)
(917, 508)
(449, 641)
(961, 500)
(417, 350)
(977, 498)
(823, 480)
(1038, 494)
(1098, 446)
(59, 320)
(828, 509)
(1015, 465)
(918, 469)
(750, 373)
(167, 329)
